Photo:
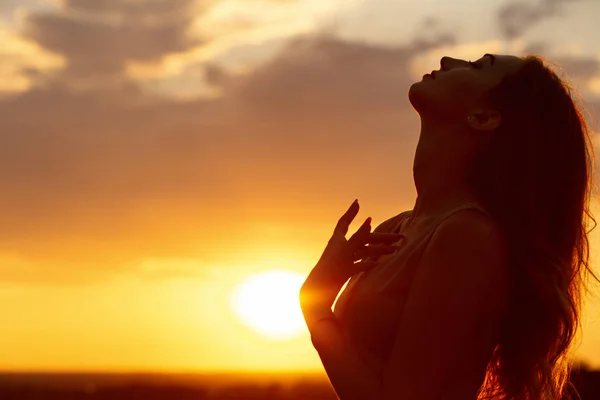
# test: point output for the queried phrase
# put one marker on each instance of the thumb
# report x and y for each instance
(361, 236)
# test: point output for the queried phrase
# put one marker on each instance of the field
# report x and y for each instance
(300, 386)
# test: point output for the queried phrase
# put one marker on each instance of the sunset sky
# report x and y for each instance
(156, 154)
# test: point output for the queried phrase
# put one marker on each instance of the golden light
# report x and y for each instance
(267, 303)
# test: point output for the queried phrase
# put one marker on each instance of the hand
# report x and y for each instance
(338, 262)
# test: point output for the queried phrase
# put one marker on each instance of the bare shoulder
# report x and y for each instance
(474, 240)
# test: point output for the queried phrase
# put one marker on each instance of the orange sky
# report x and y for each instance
(174, 314)
(149, 166)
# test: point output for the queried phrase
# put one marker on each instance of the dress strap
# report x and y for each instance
(471, 206)
(465, 206)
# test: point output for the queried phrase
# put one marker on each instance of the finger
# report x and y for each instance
(344, 222)
(361, 236)
(374, 251)
(384, 238)
(364, 266)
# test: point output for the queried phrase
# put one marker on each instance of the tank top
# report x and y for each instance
(370, 307)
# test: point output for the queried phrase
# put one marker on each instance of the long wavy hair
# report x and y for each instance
(534, 175)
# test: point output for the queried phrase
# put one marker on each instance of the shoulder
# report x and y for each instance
(454, 295)
(471, 225)
(472, 241)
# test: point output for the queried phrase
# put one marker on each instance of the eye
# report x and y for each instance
(474, 65)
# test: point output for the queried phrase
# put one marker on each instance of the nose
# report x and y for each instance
(447, 63)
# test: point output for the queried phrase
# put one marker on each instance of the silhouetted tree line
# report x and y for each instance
(585, 380)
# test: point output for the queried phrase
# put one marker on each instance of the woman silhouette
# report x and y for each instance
(476, 292)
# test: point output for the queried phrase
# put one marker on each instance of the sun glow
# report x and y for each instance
(268, 303)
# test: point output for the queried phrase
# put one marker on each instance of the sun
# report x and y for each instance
(267, 303)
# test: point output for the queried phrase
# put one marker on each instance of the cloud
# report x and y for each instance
(93, 182)
(21, 60)
(101, 42)
(517, 17)
(112, 176)
(171, 268)
(243, 34)
(594, 86)
(132, 9)
(578, 66)
(20, 270)
(161, 43)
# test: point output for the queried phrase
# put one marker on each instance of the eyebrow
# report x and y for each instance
(493, 58)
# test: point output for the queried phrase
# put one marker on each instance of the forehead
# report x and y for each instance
(503, 64)
(507, 63)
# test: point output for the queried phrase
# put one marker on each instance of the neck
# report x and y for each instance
(440, 168)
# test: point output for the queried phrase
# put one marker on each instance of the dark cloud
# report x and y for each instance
(431, 33)
(579, 67)
(9, 6)
(356, 75)
(136, 9)
(215, 75)
(93, 181)
(328, 75)
(93, 45)
(537, 48)
(517, 17)
(106, 177)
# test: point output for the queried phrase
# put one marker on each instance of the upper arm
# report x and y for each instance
(456, 282)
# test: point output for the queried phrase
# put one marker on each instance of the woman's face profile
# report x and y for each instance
(455, 89)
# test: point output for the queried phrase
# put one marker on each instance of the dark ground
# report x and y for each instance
(19, 386)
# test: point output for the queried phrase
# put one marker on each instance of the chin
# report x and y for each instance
(416, 95)
(424, 100)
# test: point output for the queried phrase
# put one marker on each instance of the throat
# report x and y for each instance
(442, 158)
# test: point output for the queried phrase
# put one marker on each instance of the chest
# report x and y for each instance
(371, 306)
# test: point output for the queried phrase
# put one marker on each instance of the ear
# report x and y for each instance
(484, 120)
